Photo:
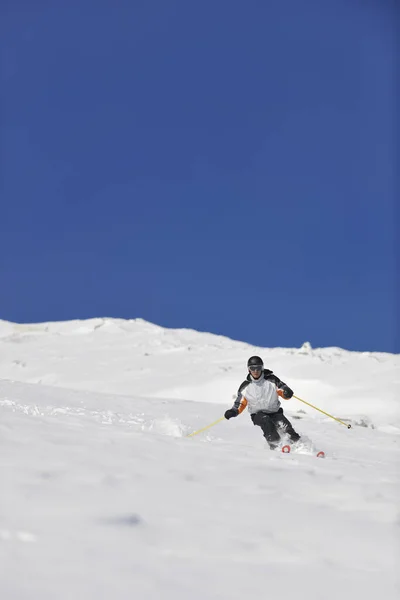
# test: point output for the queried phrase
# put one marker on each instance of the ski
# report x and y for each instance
(286, 449)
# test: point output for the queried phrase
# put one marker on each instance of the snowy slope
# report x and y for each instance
(103, 496)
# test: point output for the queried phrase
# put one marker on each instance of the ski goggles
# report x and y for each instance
(256, 368)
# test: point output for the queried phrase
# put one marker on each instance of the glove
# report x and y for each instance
(285, 392)
(231, 412)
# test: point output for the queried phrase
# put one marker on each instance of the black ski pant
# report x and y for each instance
(270, 423)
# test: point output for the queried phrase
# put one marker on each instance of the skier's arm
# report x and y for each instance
(240, 403)
(283, 390)
(238, 406)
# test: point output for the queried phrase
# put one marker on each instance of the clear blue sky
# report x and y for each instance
(226, 166)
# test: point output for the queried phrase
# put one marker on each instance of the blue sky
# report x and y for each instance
(226, 166)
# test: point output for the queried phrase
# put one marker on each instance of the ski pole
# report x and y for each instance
(323, 412)
(204, 428)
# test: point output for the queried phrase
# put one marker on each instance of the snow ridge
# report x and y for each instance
(103, 495)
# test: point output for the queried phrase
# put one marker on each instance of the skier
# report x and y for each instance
(260, 394)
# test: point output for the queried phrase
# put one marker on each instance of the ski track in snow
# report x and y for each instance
(103, 495)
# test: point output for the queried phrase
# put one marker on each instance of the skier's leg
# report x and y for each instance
(268, 427)
(283, 423)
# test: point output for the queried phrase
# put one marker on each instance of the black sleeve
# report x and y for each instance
(271, 377)
(243, 386)
(241, 389)
(281, 385)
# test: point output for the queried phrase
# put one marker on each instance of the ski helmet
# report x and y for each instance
(255, 361)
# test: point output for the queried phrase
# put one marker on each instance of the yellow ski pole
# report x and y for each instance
(204, 428)
(323, 412)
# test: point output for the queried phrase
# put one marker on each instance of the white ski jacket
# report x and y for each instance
(259, 394)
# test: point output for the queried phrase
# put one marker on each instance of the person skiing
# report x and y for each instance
(260, 393)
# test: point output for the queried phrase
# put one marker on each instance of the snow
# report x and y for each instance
(103, 496)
